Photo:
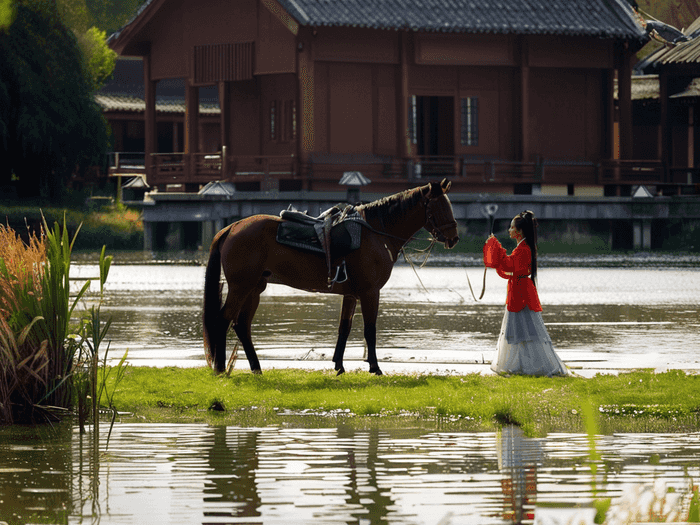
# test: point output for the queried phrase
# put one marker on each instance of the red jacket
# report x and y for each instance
(516, 268)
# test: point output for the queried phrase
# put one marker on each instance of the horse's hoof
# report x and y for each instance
(376, 371)
(257, 372)
(340, 370)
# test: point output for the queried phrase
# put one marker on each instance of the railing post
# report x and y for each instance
(223, 166)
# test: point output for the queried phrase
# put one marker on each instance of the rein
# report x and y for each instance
(491, 210)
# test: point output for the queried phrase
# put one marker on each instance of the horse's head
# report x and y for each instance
(440, 220)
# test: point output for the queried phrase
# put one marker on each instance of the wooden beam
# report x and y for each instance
(282, 15)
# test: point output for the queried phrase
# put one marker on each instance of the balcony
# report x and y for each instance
(188, 172)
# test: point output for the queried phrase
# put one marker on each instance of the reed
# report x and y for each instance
(24, 357)
(35, 312)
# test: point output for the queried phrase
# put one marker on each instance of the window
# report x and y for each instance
(469, 129)
(413, 119)
(283, 121)
(273, 121)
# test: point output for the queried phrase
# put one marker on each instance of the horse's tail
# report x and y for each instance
(212, 299)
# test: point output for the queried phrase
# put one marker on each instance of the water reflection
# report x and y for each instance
(199, 474)
(518, 460)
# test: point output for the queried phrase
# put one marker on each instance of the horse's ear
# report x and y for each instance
(445, 185)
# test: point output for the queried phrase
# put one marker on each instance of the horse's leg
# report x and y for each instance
(346, 314)
(370, 310)
(243, 327)
(219, 343)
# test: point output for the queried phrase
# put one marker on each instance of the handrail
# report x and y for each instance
(202, 167)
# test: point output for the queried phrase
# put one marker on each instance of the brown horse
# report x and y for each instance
(251, 257)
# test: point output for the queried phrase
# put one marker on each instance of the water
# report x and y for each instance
(177, 474)
(602, 319)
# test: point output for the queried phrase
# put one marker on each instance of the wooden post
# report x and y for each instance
(225, 124)
(191, 128)
(664, 127)
(624, 96)
(150, 131)
(305, 90)
(524, 101)
(405, 145)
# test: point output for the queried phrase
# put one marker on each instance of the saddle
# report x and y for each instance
(335, 233)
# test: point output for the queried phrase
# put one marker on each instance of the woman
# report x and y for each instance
(524, 346)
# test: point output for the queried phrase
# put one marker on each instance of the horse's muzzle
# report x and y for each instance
(451, 243)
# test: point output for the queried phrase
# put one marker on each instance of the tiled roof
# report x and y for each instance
(603, 18)
(646, 87)
(643, 87)
(595, 18)
(134, 104)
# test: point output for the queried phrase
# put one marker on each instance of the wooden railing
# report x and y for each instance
(201, 168)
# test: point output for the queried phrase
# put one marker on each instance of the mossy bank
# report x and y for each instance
(632, 402)
(116, 227)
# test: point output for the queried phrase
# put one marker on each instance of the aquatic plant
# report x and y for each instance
(42, 361)
(24, 357)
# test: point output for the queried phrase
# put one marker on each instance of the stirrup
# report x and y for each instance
(341, 274)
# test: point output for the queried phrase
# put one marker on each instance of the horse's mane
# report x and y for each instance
(390, 210)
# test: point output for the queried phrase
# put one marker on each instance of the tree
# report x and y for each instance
(99, 58)
(50, 125)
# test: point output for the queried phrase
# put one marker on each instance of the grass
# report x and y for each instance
(634, 402)
(116, 227)
(44, 358)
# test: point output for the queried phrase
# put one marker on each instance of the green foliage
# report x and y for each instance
(118, 229)
(50, 125)
(99, 58)
(7, 13)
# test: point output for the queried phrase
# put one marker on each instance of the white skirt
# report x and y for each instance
(524, 347)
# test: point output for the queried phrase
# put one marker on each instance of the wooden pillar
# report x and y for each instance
(524, 101)
(150, 128)
(691, 137)
(225, 119)
(664, 127)
(624, 97)
(191, 127)
(305, 90)
(406, 144)
(610, 135)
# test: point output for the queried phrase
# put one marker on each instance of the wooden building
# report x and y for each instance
(666, 102)
(510, 97)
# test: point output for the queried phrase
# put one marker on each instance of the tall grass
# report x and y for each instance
(36, 352)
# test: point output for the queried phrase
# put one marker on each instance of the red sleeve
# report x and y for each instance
(495, 256)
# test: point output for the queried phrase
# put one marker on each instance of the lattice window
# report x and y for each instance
(283, 120)
(469, 129)
(223, 62)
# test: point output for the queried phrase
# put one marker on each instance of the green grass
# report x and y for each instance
(635, 402)
(116, 227)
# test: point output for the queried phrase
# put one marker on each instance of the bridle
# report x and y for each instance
(437, 231)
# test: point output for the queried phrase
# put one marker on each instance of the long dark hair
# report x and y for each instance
(526, 222)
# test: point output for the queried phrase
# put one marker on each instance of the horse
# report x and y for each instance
(251, 258)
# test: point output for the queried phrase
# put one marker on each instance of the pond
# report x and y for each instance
(187, 474)
(601, 319)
